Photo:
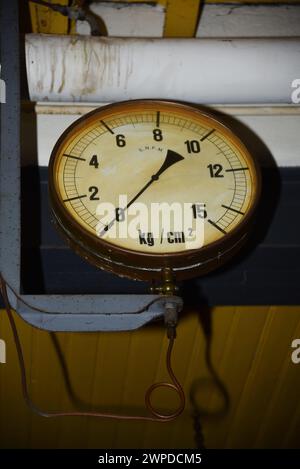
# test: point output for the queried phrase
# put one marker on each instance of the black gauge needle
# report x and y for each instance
(171, 158)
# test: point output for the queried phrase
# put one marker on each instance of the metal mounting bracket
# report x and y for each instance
(51, 312)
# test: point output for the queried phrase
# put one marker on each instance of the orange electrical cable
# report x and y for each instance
(156, 416)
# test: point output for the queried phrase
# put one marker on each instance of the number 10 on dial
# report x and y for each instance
(139, 186)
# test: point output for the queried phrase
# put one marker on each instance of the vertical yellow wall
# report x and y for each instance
(45, 20)
(251, 351)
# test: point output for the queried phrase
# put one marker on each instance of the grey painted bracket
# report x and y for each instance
(51, 312)
(87, 312)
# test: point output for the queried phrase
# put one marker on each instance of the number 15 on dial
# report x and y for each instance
(139, 186)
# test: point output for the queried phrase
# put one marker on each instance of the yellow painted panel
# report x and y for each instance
(181, 18)
(233, 368)
(262, 377)
(81, 359)
(251, 355)
(284, 399)
(12, 407)
(46, 388)
(44, 20)
(111, 373)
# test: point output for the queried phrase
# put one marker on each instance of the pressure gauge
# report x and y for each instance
(141, 186)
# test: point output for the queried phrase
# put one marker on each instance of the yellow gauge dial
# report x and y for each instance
(152, 177)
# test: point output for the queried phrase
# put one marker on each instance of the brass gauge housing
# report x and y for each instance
(140, 186)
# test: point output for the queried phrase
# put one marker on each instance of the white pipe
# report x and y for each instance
(225, 71)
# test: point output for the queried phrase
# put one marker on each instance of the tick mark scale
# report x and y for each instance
(107, 127)
(207, 135)
(74, 198)
(217, 226)
(233, 209)
(235, 169)
(74, 157)
(168, 176)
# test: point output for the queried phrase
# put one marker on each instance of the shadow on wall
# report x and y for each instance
(33, 272)
(270, 192)
(191, 290)
(209, 384)
(213, 383)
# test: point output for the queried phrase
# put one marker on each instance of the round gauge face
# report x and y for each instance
(152, 177)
